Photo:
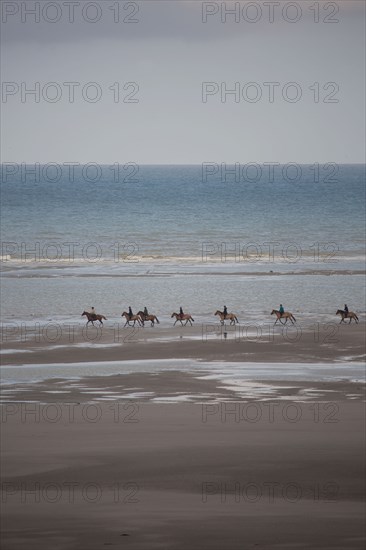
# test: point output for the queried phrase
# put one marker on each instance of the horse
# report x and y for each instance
(134, 318)
(187, 317)
(151, 318)
(350, 315)
(231, 316)
(286, 315)
(93, 317)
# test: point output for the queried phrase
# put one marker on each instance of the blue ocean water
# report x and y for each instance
(164, 235)
(170, 211)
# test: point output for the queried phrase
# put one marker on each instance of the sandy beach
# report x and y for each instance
(312, 341)
(182, 475)
(195, 441)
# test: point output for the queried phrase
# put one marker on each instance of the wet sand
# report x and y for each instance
(178, 386)
(325, 342)
(182, 476)
(108, 461)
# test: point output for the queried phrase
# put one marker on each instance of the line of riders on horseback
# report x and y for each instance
(143, 316)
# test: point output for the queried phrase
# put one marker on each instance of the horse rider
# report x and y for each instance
(346, 310)
(281, 310)
(93, 312)
(225, 312)
(146, 313)
(181, 312)
(130, 314)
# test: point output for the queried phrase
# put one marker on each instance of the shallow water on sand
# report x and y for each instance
(239, 372)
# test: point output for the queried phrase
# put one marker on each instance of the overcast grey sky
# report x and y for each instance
(168, 53)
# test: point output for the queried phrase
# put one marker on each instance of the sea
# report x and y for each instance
(198, 237)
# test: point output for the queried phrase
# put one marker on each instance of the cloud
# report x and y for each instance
(169, 53)
(150, 19)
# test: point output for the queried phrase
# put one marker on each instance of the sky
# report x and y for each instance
(183, 82)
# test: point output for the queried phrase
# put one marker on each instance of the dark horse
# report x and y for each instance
(93, 317)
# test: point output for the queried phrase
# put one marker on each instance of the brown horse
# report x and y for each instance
(187, 317)
(286, 315)
(93, 317)
(134, 318)
(151, 318)
(230, 316)
(350, 315)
